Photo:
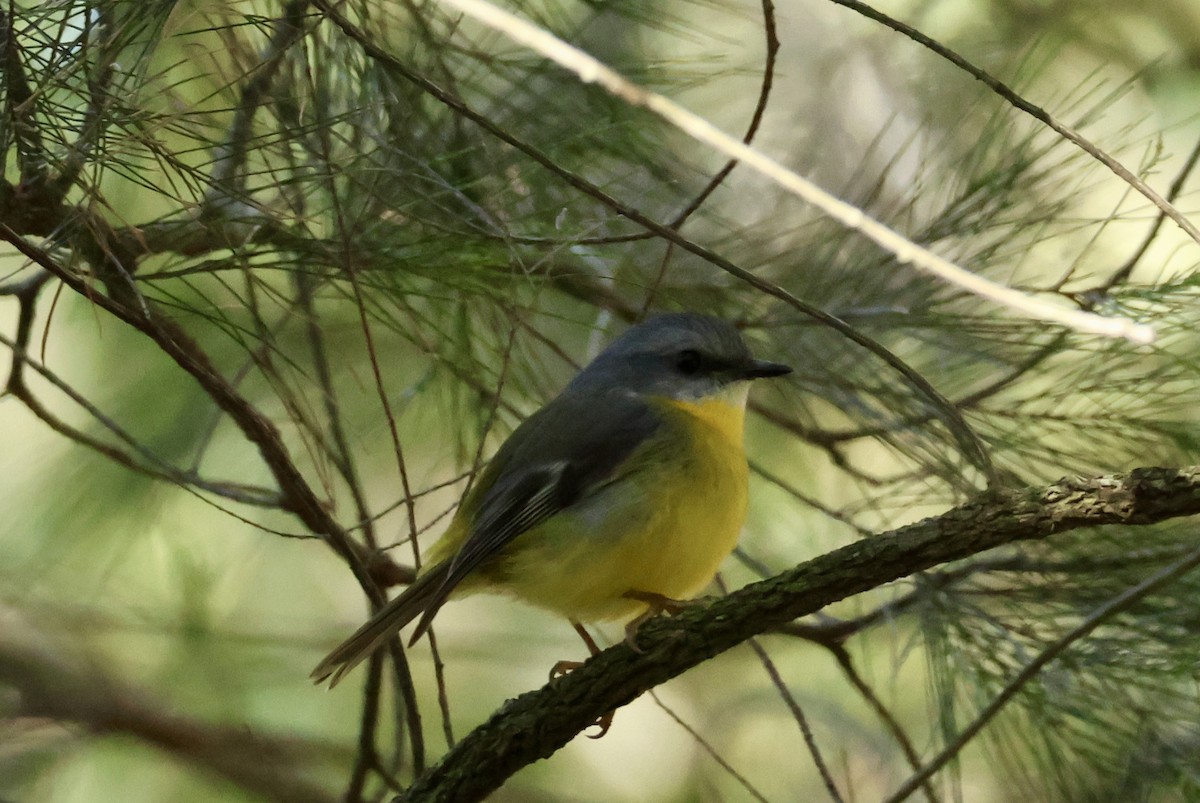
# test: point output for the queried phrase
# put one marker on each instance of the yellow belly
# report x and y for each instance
(663, 528)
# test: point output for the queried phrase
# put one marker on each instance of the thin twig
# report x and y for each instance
(443, 695)
(590, 70)
(408, 712)
(27, 293)
(343, 455)
(96, 118)
(707, 747)
(1173, 191)
(158, 468)
(968, 441)
(230, 155)
(367, 757)
(810, 740)
(1034, 111)
(1116, 605)
(842, 656)
(779, 482)
(19, 108)
(760, 108)
(798, 714)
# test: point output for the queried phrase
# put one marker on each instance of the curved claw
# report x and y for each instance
(603, 723)
(655, 604)
(563, 667)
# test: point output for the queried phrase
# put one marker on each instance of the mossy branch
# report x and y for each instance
(538, 723)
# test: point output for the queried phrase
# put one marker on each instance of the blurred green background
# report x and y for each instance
(483, 289)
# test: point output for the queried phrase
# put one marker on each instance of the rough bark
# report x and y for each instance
(536, 724)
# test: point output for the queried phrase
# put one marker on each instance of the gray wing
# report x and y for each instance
(568, 448)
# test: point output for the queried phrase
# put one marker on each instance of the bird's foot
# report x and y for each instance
(563, 667)
(655, 605)
(603, 723)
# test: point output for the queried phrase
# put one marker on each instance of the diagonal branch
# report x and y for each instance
(1036, 112)
(19, 108)
(297, 496)
(229, 157)
(589, 70)
(538, 723)
(972, 447)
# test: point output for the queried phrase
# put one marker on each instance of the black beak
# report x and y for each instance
(762, 369)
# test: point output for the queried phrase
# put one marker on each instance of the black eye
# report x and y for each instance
(688, 362)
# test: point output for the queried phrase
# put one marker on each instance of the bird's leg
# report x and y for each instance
(655, 604)
(563, 667)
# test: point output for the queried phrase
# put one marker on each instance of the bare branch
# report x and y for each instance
(538, 723)
(842, 656)
(149, 464)
(1036, 112)
(810, 741)
(905, 251)
(970, 444)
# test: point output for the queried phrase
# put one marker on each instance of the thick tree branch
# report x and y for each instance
(538, 723)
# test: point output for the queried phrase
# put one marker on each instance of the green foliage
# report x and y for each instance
(406, 224)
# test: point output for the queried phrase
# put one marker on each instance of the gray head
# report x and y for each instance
(679, 355)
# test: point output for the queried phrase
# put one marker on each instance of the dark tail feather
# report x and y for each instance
(425, 595)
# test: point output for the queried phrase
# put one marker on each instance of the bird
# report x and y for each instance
(617, 500)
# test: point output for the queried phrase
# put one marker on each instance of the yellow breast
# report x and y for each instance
(663, 527)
